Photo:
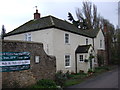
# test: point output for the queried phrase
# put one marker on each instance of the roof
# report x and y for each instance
(83, 49)
(92, 32)
(50, 22)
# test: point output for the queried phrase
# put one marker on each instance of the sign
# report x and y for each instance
(14, 61)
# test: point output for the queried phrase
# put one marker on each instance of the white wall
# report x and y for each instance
(99, 37)
(16, 37)
(43, 36)
(81, 65)
(61, 49)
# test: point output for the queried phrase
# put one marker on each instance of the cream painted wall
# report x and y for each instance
(15, 37)
(44, 36)
(61, 49)
(99, 37)
(81, 65)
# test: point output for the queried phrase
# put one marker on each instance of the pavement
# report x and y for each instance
(105, 80)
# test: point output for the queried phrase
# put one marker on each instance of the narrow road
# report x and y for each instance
(105, 80)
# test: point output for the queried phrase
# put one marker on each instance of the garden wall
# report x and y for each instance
(45, 69)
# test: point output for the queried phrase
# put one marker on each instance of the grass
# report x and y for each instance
(45, 83)
(75, 79)
(80, 77)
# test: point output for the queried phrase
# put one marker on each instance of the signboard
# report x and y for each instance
(14, 61)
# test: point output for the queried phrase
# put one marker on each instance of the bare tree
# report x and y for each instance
(87, 16)
(3, 32)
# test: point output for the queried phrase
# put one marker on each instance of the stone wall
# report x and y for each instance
(44, 70)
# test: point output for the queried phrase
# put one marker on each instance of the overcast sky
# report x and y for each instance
(14, 13)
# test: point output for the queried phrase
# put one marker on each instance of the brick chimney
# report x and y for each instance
(36, 15)
(105, 29)
(107, 52)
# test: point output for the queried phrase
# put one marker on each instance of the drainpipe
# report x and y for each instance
(93, 44)
(75, 62)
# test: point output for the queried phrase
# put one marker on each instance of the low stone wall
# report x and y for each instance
(44, 70)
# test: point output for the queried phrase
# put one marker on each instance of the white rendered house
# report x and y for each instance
(63, 40)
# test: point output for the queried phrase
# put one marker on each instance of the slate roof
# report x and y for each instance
(82, 49)
(51, 22)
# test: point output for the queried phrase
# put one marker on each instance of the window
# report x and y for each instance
(27, 37)
(67, 39)
(67, 60)
(81, 57)
(100, 43)
(86, 41)
(37, 59)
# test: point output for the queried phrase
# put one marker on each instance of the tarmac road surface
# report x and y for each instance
(106, 80)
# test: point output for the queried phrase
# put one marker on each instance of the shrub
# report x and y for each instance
(90, 71)
(45, 83)
(100, 60)
(68, 75)
(81, 71)
(60, 78)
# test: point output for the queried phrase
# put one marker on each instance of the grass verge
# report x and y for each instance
(80, 77)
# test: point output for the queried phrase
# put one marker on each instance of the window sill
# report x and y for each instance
(67, 43)
(81, 61)
(67, 67)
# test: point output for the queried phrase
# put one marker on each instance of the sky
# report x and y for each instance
(14, 13)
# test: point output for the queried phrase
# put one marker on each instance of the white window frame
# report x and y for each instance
(80, 58)
(86, 41)
(68, 42)
(37, 59)
(100, 43)
(28, 37)
(69, 60)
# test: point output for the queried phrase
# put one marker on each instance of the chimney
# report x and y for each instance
(36, 15)
(105, 29)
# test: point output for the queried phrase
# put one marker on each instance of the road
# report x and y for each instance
(106, 80)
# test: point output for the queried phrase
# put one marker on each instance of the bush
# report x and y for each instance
(100, 60)
(90, 71)
(60, 78)
(45, 83)
(68, 75)
(81, 71)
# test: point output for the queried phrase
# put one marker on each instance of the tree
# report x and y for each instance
(70, 17)
(116, 48)
(88, 17)
(3, 32)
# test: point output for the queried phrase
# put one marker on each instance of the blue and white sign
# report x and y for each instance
(14, 61)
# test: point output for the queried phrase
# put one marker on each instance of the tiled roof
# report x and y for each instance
(51, 22)
(83, 49)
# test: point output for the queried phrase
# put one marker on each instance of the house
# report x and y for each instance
(63, 40)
